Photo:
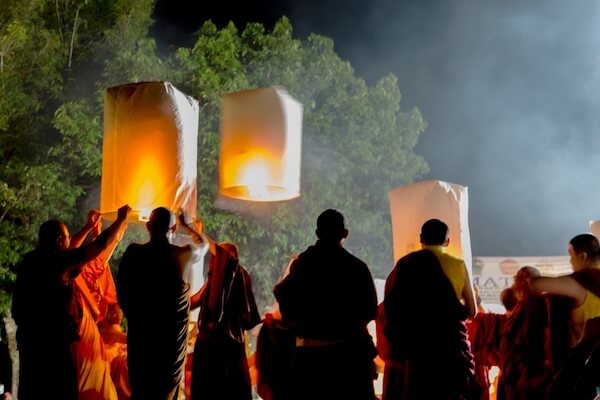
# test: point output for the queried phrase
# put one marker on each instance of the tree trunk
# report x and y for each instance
(11, 335)
(73, 36)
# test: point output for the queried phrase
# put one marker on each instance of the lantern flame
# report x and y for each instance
(255, 177)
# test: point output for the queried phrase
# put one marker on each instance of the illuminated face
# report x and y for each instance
(576, 259)
(63, 240)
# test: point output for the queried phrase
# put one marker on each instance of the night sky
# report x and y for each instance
(509, 89)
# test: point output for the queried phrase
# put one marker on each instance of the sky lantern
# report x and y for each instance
(595, 228)
(149, 156)
(261, 137)
(412, 205)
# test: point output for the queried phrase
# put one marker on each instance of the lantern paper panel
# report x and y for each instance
(149, 156)
(260, 151)
(414, 204)
(595, 228)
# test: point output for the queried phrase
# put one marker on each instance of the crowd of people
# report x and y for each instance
(315, 344)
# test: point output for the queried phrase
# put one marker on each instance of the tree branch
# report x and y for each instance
(73, 36)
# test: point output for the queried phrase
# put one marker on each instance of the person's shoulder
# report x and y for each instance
(452, 259)
(132, 250)
(355, 260)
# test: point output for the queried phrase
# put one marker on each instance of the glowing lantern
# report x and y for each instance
(261, 134)
(595, 228)
(412, 205)
(150, 149)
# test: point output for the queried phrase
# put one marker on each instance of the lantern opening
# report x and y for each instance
(145, 214)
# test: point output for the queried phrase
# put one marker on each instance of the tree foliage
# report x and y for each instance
(58, 56)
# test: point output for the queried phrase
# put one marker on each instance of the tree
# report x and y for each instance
(55, 56)
(58, 56)
(357, 144)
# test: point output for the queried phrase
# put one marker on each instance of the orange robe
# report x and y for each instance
(91, 361)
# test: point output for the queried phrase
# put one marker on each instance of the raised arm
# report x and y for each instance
(93, 220)
(197, 232)
(74, 259)
(562, 286)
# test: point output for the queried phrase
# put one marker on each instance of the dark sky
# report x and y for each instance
(509, 89)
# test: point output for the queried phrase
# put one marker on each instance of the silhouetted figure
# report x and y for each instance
(525, 359)
(155, 300)
(46, 311)
(275, 347)
(582, 287)
(508, 298)
(425, 342)
(328, 298)
(228, 309)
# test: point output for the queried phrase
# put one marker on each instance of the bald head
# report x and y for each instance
(331, 226)
(161, 220)
(54, 235)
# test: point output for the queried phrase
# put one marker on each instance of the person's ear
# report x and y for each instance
(345, 233)
(446, 242)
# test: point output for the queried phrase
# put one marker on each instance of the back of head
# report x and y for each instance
(331, 226)
(521, 282)
(49, 233)
(508, 297)
(434, 232)
(588, 243)
(161, 220)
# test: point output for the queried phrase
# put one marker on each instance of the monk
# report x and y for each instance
(92, 287)
(46, 311)
(115, 345)
(582, 288)
(228, 309)
(154, 297)
(328, 299)
(428, 297)
(525, 363)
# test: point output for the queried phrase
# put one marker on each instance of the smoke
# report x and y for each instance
(509, 90)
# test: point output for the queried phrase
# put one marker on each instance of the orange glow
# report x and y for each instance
(260, 149)
(149, 150)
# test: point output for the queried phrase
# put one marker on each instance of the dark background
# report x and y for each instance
(508, 88)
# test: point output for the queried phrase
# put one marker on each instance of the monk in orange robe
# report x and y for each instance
(47, 312)
(91, 361)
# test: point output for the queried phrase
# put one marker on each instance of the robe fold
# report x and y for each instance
(425, 346)
(91, 361)
(525, 351)
(228, 308)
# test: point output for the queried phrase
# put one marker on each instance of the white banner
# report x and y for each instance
(492, 274)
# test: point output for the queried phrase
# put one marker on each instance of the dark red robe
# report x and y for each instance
(220, 367)
(423, 334)
(155, 300)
